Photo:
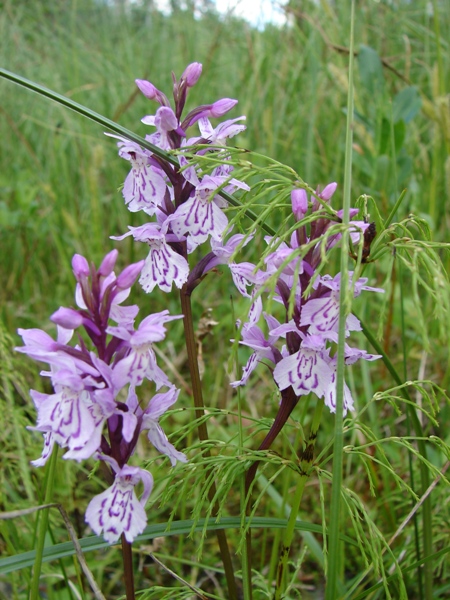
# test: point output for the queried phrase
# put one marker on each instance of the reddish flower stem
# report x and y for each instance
(191, 348)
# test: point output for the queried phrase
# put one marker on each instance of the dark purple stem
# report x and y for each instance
(128, 568)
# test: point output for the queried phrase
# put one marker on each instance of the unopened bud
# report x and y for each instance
(299, 200)
(147, 88)
(108, 263)
(67, 318)
(328, 191)
(221, 107)
(192, 73)
(129, 275)
(80, 266)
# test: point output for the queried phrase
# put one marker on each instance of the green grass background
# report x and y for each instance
(59, 194)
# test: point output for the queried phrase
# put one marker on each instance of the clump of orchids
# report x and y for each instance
(95, 410)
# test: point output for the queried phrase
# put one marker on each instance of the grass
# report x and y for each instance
(59, 194)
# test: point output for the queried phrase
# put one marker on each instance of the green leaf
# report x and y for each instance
(385, 136)
(370, 69)
(407, 104)
(399, 134)
(26, 559)
(383, 172)
(404, 169)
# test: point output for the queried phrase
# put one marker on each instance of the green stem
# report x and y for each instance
(246, 555)
(345, 306)
(306, 461)
(288, 537)
(191, 348)
(43, 524)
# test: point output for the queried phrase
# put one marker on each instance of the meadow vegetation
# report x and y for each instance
(59, 195)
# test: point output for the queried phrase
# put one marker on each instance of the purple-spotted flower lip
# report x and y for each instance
(201, 215)
(77, 410)
(117, 510)
(306, 371)
(145, 187)
(163, 266)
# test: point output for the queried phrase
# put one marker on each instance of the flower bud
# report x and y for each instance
(67, 318)
(108, 263)
(147, 88)
(328, 191)
(129, 275)
(221, 107)
(80, 266)
(192, 73)
(299, 200)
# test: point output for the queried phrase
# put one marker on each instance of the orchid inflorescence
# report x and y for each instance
(184, 200)
(95, 390)
(310, 301)
(94, 410)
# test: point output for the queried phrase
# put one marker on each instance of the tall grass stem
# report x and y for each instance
(344, 310)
